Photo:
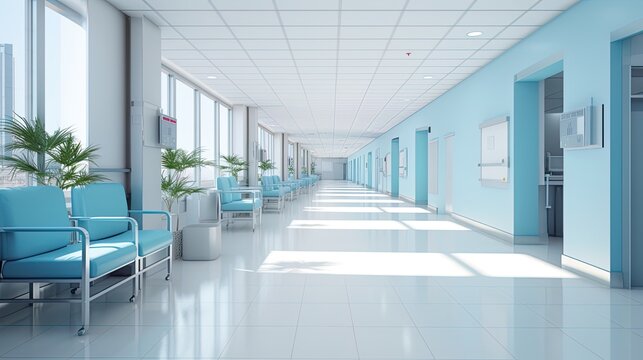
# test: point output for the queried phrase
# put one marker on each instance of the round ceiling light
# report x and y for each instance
(474, 33)
(212, 77)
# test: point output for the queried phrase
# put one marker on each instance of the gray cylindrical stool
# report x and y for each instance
(202, 241)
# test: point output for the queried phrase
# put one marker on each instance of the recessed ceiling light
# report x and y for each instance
(211, 77)
(428, 77)
(474, 33)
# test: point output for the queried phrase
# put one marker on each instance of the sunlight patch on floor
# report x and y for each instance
(512, 266)
(342, 209)
(362, 263)
(347, 225)
(359, 201)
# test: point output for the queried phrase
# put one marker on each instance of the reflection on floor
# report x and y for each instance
(357, 276)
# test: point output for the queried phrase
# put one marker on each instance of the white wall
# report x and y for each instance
(108, 85)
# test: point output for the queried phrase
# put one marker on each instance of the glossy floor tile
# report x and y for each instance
(345, 273)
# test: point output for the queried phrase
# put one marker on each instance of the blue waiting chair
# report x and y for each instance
(37, 247)
(273, 193)
(238, 201)
(108, 199)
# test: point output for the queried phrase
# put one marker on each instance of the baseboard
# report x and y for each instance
(407, 199)
(590, 271)
(433, 209)
(500, 234)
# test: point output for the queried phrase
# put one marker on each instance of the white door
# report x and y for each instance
(448, 186)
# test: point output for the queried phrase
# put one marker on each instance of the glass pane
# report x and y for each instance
(224, 130)
(185, 119)
(165, 108)
(65, 75)
(12, 75)
(207, 139)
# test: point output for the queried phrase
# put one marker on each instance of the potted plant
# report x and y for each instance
(291, 171)
(176, 185)
(312, 167)
(304, 171)
(266, 165)
(233, 166)
(51, 159)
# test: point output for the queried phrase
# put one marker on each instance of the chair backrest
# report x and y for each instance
(33, 206)
(276, 180)
(103, 199)
(227, 183)
(267, 182)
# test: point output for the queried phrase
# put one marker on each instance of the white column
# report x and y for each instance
(253, 146)
(145, 101)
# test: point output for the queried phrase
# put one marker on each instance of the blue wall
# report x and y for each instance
(583, 36)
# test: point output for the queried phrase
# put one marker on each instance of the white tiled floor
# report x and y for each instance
(344, 273)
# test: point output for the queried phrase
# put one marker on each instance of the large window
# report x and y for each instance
(207, 130)
(65, 74)
(12, 74)
(266, 142)
(185, 112)
(224, 130)
(165, 94)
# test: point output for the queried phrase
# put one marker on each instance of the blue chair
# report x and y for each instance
(290, 187)
(37, 247)
(273, 193)
(107, 200)
(238, 201)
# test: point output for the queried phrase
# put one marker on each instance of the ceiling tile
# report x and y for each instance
(420, 32)
(169, 33)
(307, 4)
(366, 32)
(424, 18)
(373, 4)
(180, 5)
(254, 18)
(439, 4)
(310, 18)
(366, 18)
(461, 44)
(503, 4)
(497, 18)
(537, 17)
(554, 4)
(488, 32)
(191, 18)
(311, 32)
(204, 32)
(242, 5)
(264, 44)
(257, 32)
(215, 44)
(129, 4)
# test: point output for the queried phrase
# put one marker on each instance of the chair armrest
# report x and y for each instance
(168, 216)
(256, 194)
(72, 229)
(132, 222)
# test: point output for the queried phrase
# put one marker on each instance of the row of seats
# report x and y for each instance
(242, 202)
(41, 243)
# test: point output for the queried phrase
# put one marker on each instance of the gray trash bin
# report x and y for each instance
(202, 241)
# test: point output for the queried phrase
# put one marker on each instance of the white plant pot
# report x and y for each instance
(177, 244)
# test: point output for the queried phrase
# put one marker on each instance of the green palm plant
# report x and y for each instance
(234, 165)
(174, 183)
(56, 158)
(266, 165)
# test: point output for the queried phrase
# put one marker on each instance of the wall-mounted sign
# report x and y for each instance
(167, 131)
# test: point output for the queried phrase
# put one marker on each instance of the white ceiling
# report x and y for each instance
(334, 74)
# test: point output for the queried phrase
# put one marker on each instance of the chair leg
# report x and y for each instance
(136, 282)
(169, 262)
(84, 305)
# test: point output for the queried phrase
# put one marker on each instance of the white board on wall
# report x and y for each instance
(494, 151)
(433, 166)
